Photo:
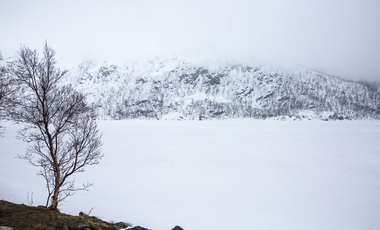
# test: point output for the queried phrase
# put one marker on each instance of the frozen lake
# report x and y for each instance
(216, 175)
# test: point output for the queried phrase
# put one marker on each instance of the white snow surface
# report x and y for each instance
(216, 175)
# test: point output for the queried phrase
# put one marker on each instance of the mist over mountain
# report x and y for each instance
(178, 89)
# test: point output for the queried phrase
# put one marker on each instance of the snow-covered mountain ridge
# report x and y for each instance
(176, 89)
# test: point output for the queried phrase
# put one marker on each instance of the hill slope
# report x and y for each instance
(176, 89)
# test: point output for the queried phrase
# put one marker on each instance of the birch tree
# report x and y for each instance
(60, 129)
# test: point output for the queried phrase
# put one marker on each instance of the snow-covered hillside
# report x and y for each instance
(177, 89)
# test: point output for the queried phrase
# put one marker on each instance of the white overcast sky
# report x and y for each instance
(340, 37)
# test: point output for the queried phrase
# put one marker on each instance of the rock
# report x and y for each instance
(5, 228)
(177, 228)
(84, 225)
(82, 214)
(138, 228)
(336, 116)
(120, 225)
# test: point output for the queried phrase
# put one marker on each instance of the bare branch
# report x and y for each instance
(8, 89)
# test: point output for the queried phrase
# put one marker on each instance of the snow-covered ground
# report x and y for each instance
(216, 175)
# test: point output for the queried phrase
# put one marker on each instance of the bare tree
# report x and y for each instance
(8, 88)
(60, 128)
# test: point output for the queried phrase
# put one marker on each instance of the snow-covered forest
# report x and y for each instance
(177, 89)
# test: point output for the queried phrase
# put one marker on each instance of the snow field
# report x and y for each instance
(243, 174)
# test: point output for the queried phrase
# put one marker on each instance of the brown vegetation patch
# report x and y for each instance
(20, 216)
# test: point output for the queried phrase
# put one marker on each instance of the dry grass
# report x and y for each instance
(20, 216)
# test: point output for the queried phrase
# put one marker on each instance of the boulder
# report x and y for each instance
(5, 228)
(120, 225)
(138, 228)
(84, 225)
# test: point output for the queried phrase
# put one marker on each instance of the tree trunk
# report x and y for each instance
(54, 199)
(57, 186)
